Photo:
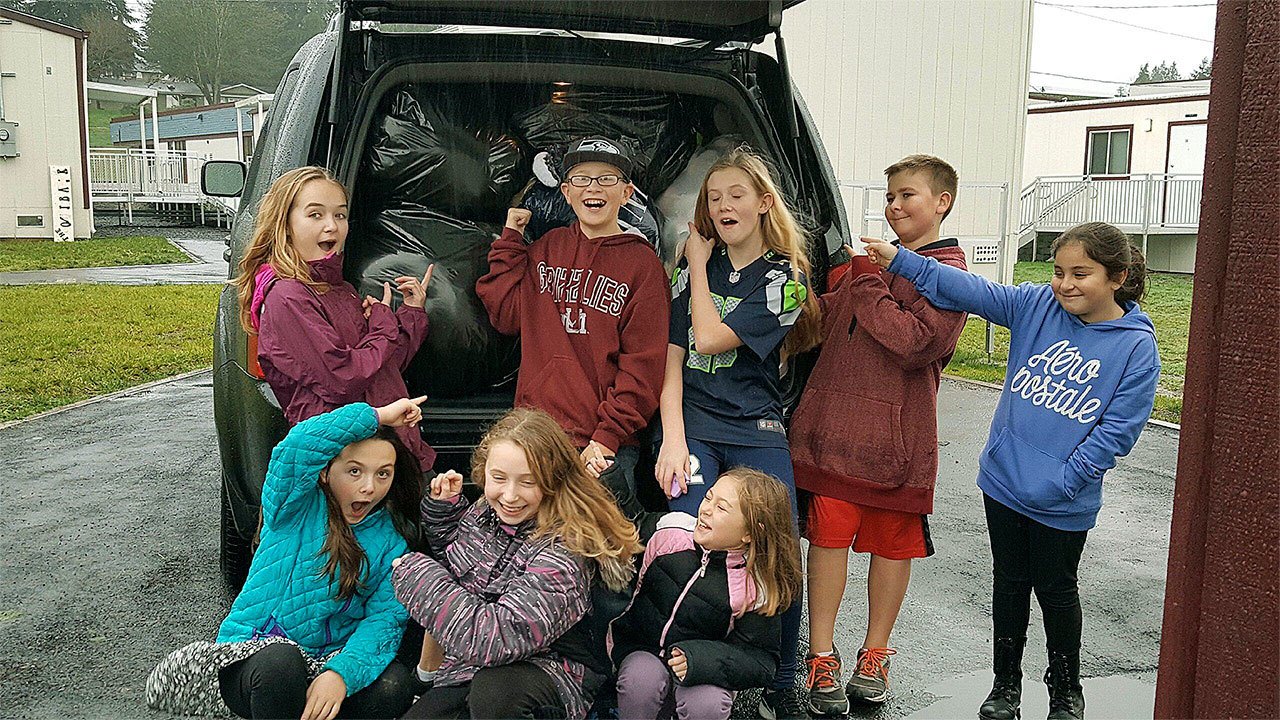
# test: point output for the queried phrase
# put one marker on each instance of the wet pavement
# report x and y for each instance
(109, 545)
(204, 245)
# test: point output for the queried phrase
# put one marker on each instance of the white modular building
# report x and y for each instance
(44, 130)
(884, 79)
(1136, 162)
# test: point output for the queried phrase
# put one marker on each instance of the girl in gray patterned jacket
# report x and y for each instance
(514, 573)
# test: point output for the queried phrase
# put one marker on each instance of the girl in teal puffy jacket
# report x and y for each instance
(314, 631)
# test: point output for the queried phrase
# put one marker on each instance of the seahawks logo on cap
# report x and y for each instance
(603, 146)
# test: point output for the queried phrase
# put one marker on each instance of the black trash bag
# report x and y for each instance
(425, 151)
(656, 128)
(462, 355)
(550, 210)
(639, 215)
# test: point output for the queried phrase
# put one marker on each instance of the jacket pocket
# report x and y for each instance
(568, 395)
(854, 436)
(1031, 475)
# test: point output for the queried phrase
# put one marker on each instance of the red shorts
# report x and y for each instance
(891, 534)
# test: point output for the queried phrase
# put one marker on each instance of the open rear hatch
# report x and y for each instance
(414, 112)
(745, 21)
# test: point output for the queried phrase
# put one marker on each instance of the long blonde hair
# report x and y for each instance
(271, 242)
(773, 555)
(782, 235)
(577, 509)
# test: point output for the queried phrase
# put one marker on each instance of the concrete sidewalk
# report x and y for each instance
(204, 245)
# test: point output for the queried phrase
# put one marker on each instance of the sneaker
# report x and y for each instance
(784, 704)
(826, 695)
(871, 683)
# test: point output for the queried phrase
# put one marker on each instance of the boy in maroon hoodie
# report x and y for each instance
(864, 439)
(590, 304)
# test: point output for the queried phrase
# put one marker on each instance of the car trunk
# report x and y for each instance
(436, 144)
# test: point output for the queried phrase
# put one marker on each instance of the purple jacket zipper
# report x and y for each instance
(702, 571)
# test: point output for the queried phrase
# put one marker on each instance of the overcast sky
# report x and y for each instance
(1067, 41)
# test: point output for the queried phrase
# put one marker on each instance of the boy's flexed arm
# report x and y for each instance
(500, 288)
(917, 334)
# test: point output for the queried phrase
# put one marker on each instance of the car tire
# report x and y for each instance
(235, 550)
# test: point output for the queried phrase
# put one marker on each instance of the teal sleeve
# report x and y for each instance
(376, 639)
(294, 470)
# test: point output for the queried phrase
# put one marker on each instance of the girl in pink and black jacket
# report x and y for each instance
(705, 620)
(509, 578)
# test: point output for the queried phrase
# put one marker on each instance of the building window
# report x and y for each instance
(30, 221)
(1108, 151)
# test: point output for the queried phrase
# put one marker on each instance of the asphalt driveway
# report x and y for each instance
(109, 541)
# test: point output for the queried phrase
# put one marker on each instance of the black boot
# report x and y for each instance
(1066, 696)
(1006, 692)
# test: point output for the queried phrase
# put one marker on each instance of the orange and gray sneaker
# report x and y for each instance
(870, 684)
(826, 696)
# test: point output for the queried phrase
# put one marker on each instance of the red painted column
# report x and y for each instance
(1221, 638)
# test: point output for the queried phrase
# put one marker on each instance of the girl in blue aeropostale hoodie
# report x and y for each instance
(1079, 388)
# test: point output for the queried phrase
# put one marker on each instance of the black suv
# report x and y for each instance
(432, 112)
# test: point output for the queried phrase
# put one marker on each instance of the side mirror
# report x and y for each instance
(223, 178)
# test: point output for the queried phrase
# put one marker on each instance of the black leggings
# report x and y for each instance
(272, 683)
(519, 690)
(1029, 555)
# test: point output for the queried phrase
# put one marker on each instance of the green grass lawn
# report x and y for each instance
(100, 122)
(63, 343)
(1168, 302)
(24, 254)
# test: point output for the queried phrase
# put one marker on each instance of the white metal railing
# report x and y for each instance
(1137, 203)
(133, 175)
(163, 178)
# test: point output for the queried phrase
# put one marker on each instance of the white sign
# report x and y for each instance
(61, 202)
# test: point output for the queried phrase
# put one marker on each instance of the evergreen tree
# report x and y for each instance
(1202, 72)
(218, 43)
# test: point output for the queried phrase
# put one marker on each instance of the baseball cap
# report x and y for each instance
(596, 149)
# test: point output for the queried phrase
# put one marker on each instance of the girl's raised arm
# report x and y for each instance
(297, 461)
(952, 288)
(442, 509)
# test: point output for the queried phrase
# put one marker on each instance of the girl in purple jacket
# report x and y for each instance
(319, 345)
(509, 576)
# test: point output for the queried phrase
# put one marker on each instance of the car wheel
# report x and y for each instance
(235, 550)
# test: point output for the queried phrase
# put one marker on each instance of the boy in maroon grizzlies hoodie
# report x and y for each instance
(590, 304)
(864, 439)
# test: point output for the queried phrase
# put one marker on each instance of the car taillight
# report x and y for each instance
(255, 369)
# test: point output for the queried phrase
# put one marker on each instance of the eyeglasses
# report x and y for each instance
(603, 180)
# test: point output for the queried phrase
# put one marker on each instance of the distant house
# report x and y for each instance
(1136, 162)
(44, 130)
(204, 131)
